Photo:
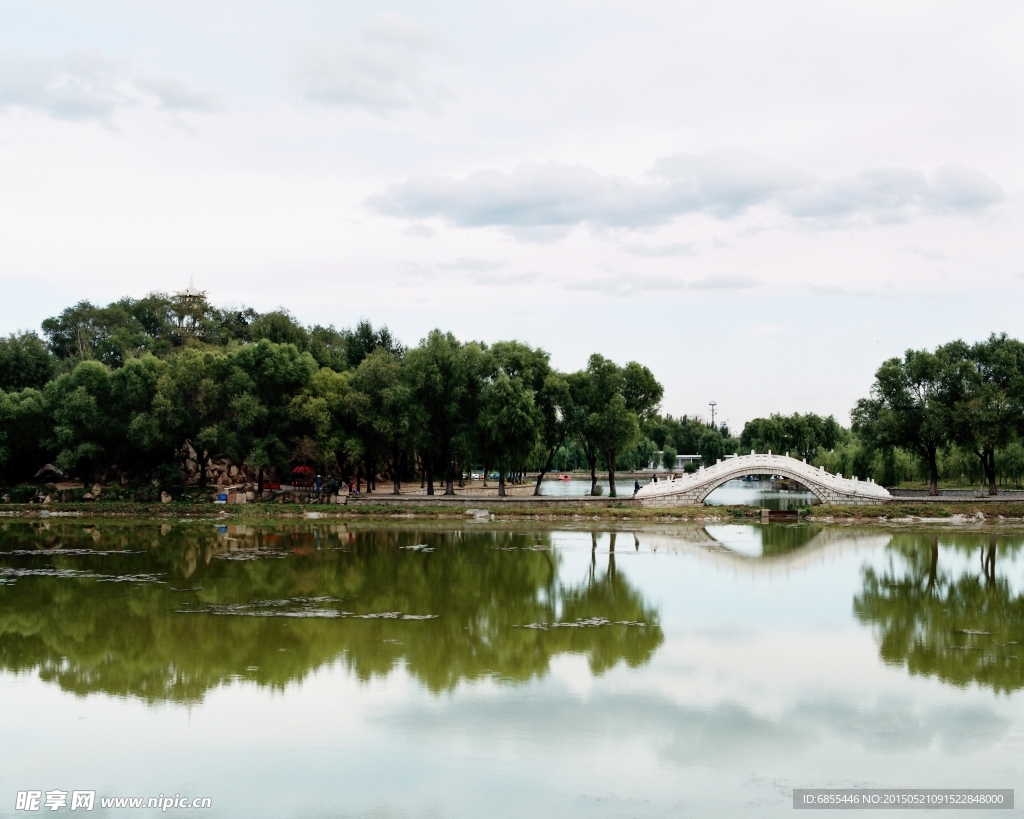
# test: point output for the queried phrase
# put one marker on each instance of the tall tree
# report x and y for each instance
(607, 403)
(984, 394)
(511, 420)
(381, 404)
(445, 377)
(906, 408)
(190, 403)
(262, 381)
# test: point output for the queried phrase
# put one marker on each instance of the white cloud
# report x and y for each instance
(632, 283)
(767, 329)
(726, 182)
(546, 201)
(895, 194)
(469, 263)
(661, 251)
(387, 70)
(176, 96)
(84, 85)
(724, 281)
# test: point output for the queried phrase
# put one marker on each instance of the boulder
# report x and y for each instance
(165, 498)
(232, 471)
(96, 489)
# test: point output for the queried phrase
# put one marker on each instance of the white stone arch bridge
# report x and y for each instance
(689, 490)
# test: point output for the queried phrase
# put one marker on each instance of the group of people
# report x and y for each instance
(325, 489)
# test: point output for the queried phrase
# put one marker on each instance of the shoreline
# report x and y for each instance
(957, 512)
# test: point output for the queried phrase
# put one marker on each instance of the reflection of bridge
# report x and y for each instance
(694, 488)
(712, 543)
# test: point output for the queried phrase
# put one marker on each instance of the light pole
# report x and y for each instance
(713, 404)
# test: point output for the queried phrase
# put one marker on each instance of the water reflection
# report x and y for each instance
(772, 540)
(761, 493)
(962, 623)
(167, 613)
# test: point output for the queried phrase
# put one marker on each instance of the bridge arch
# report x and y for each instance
(694, 488)
(711, 486)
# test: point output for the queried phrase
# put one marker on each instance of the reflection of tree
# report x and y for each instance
(963, 629)
(275, 618)
(779, 539)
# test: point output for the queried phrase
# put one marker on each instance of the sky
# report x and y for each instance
(759, 201)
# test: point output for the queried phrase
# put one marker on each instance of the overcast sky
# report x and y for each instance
(760, 201)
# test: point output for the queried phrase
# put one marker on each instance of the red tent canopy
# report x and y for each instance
(302, 470)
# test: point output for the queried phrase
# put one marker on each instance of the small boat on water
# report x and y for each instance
(565, 477)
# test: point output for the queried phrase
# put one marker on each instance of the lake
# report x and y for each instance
(504, 670)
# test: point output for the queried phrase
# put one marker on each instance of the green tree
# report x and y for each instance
(668, 458)
(606, 405)
(711, 447)
(800, 435)
(262, 381)
(24, 362)
(984, 394)
(362, 340)
(906, 408)
(380, 399)
(25, 424)
(445, 377)
(511, 420)
(324, 410)
(190, 404)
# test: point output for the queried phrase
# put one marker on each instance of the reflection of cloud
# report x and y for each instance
(715, 733)
(545, 201)
(85, 85)
(385, 71)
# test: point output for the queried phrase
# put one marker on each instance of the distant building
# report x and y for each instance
(657, 465)
(190, 293)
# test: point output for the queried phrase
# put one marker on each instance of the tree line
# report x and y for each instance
(953, 412)
(140, 383)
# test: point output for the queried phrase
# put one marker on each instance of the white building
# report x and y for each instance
(657, 464)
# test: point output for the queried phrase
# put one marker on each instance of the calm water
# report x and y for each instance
(740, 493)
(480, 670)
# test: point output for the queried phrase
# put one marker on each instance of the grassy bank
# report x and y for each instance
(609, 509)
